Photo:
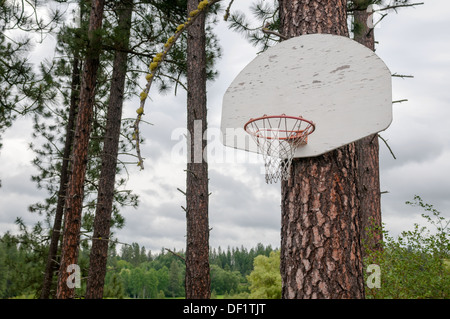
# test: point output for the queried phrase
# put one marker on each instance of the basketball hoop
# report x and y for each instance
(277, 137)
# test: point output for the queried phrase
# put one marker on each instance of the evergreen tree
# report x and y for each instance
(24, 88)
(64, 174)
(75, 189)
(74, 40)
(197, 195)
(175, 279)
(114, 287)
(332, 232)
(102, 222)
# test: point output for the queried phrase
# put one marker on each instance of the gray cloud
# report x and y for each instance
(413, 42)
(231, 201)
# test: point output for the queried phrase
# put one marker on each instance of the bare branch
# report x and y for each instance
(191, 172)
(104, 239)
(267, 31)
(400, 101)
(402, 76)
(392, 7)
(227, 11)
(400, 6)
(175, 254)
(389, 148)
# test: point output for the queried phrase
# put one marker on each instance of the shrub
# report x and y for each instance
(415, 265)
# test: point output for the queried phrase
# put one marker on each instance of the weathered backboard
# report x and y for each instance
(333, 81)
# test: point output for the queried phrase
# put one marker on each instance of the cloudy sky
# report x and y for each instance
(244, 210)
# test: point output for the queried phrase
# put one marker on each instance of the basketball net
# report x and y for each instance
(277, 138)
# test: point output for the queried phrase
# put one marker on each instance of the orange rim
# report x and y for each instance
(294, 134)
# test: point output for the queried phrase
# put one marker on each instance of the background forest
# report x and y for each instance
(133, 272)
(414, 265)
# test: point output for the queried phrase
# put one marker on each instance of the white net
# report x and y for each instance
(277, 138)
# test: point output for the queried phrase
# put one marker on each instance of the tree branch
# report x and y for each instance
(184, 193)
(389, 148)
(400, 101)
(400, 6)
(394, 7)
(154, 67)
(227, 11)
(402, 76)
(175, 254)
(267, 31)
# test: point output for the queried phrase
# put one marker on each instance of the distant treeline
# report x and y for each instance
(147, 275)
(133, 272)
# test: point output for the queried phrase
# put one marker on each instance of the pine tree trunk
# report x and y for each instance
(102, 222)
(367, 150)
(51, 265)
(320, 235)
(75, 189)
(197, 241)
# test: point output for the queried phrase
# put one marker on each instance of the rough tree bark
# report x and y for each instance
(320, 235)
(367, 150)
(102, 221)
(197, 239)
(74, 196)
(51, 265)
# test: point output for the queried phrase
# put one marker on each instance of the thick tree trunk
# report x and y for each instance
(320, 235)
(102, 221)
(197, 241)
(367, 150)
(313, 16)
(75, 189)
(51, 265)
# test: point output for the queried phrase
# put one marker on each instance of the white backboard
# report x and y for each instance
(333, 81)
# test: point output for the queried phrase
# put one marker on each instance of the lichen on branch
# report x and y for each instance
(157, 60)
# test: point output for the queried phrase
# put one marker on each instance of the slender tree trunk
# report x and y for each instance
(51, 265)
(197, 241)
(102, 221)
(320, 235)
(367, 150)
(74, 197)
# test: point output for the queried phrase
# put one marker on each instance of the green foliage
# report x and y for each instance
(415, 264)
(238, 259)
(115, 287)
(144, 275)
(46, 91)
(50, 125)
(175, 279)
(22, 259)
(223, 281)
(266, 15)
(153, 23)
(24, 89)
(265, 279)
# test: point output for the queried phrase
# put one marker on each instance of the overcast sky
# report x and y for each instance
(244, 210)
